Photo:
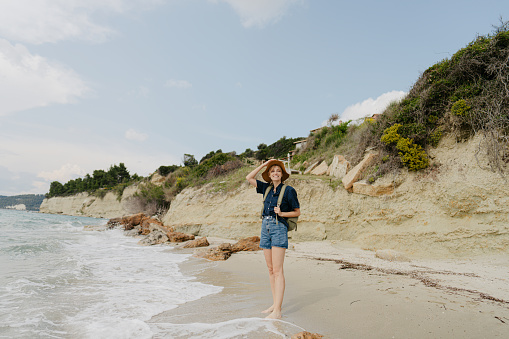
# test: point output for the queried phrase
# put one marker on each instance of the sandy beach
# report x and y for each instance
(340, 291)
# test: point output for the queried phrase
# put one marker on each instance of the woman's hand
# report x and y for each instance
(251, 176)
(277, 210)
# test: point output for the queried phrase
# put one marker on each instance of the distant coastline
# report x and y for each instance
(23, 202)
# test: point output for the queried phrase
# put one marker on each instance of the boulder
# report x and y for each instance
(354, 174)
(375, 190)
(320, 169)
(339, 167)
(306, 335)
(134, 232)
(154, 238)
(114, 222)
(157, 179)
(221, 252)
(200, 242)
(247, 244)
(132, 220)
(149, 224)
(179, 237)
(312, 167)
(391, 255)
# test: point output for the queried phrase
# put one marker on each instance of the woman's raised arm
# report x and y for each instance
(251, 176)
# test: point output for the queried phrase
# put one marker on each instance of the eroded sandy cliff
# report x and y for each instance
(84, 204)
(454, 209)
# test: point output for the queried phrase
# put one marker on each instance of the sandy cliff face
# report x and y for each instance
(455, 209)
(84, 204)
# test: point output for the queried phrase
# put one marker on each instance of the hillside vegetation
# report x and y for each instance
(465, 95)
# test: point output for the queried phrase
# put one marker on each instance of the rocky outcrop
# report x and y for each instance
(157, 179)
(221, 252)
(200, 242)
(154, 238)
(376, 190)
(354, 174)
(306, 335)
(225, 250)
(247, 244)
(320, 169)
(179, 237)
(311, 167)
(339, 167)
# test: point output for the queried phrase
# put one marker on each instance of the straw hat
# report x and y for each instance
(265, 174)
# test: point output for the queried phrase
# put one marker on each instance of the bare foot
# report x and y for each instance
(274, 315)
(269, 310)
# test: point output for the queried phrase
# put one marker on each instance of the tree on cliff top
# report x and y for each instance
(115, 175)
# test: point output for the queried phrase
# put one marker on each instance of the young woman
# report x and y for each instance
(274, 236)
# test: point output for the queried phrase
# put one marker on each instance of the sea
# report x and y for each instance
(59, 280)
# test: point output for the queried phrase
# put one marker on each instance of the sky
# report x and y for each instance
(86, 84)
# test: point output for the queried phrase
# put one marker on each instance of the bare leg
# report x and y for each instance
(268, 259)
(278, 258)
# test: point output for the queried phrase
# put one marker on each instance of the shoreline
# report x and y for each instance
(341, 291)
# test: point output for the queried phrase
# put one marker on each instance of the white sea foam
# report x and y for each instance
(60, 281)
(235, 328)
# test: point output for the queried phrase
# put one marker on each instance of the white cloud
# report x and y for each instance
(39, 156)
(178, 84)
(370, 106)
(131, 134)
(259, 12)
(29, 80)
(63, 174)
(43, 21)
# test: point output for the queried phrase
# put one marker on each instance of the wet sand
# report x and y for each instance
(343, 292)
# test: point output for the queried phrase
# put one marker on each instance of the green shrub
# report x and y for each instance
(438, 71)
(390, 135)
(435, 137)
(151, 193)
(165, 170)
(204, 167)
(227, 167)
(411, 154)
(460, 108)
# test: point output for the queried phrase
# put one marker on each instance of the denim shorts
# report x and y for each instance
(274, 233)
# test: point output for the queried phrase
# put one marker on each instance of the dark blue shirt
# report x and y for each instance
(290, 201)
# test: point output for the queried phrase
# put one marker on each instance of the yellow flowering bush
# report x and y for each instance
(390, 135)
(460, 108)
(411, 154)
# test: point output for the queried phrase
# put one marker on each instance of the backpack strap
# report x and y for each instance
(265, 197)
(281, 194)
